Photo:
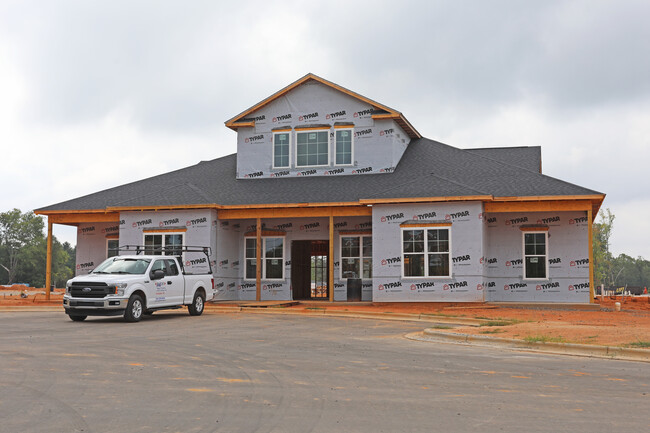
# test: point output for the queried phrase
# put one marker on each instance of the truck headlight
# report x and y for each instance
(67, 287)
(119, 289)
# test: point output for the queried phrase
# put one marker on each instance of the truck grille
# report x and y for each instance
(80, 289)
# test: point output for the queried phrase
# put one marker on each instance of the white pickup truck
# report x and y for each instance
(133, 285)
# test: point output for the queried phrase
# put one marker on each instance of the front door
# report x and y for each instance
(310, 269)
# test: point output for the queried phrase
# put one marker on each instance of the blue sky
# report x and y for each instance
(97, 94)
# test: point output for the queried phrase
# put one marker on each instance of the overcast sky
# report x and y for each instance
(98, 94)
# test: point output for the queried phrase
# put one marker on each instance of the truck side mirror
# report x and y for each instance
(157, 274)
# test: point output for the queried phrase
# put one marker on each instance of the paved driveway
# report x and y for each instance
(262, 373)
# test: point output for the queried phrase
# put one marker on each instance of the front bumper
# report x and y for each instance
(94, 307)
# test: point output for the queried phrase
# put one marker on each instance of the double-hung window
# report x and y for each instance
(356, 257)
(344, 144)
(535, 255)
(426, 252)
(112, 246)
(272, 258)
(312, 148)
(281, 148)
(169, 244)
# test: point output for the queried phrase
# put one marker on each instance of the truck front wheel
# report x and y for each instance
(76, 317)
(197, 305)
(134, 309)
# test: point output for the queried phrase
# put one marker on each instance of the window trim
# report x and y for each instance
(345, 128)
(361, 257)
(263, 260)
(307, 131)
(277, 132)
(425, 251)
(524, 255)
(163, 233)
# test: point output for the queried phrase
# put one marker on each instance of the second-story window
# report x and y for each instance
(281, 146)
(312, 148)
(343, 146)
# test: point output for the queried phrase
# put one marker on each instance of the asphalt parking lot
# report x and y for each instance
(274, 373)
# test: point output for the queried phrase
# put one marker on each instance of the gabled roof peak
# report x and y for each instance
(384, 112)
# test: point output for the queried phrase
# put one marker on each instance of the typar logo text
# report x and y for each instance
(254, 138)
(309, 116)
(389, 286)
(168, 222)
(364, 113)
(580, 263)
(390, 261)
(141, 223)
(392, 217)
(196, 221)
(282, 117)
(457, 215)
(515, 221)
(86, 265)
(86, 230)
(335, 115)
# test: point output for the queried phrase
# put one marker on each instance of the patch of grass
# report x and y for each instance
(442, 327)
(641, 344)
(543, 339)
(492, 331)
(499, 323)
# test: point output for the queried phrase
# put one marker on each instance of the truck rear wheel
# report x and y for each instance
(77, 318)
(197, 305)
(134, 309)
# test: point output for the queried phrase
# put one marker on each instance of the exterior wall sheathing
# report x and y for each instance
(378, 144)
(568, 258)
(466, 248)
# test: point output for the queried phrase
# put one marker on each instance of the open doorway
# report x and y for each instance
(310, 269)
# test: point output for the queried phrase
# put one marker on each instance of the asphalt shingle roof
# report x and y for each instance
(427, 169)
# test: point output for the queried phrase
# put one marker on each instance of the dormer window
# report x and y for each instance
(312, 147)
(281, 148)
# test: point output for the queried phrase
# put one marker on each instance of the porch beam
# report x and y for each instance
(258, 261)
(48, 263)
(75, 218)
(330, 262)
(224, 214)
(538, 206)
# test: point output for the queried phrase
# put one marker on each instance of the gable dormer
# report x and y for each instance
(314, 127)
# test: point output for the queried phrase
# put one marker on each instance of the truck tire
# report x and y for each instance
(77, 318)
(134, 309)
(197, 305)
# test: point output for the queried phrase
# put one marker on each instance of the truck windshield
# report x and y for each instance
(117, 265)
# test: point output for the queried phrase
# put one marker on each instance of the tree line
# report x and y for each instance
(618, 271)
(23, 251)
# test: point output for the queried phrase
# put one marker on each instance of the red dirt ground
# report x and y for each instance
(631, 325)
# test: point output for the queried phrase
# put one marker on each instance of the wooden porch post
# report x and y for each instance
(330, 262)
(258, 261)
(590, 243)
(48, 265)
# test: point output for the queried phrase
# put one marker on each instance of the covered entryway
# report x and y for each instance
(309, 269)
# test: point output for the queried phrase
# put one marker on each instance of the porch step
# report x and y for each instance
(268, 304)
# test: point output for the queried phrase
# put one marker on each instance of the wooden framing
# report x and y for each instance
(534, 229)
(424, 224)
(48, 263)
(590, 243)
(258, 261)
(294, 212)
(167, 229)
(330, 260)
(538, 206)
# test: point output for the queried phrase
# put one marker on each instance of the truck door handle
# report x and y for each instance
(169, 282)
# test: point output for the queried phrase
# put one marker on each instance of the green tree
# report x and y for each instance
(17, 231)
(602, 231)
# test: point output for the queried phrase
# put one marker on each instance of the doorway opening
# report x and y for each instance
(310, 269)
